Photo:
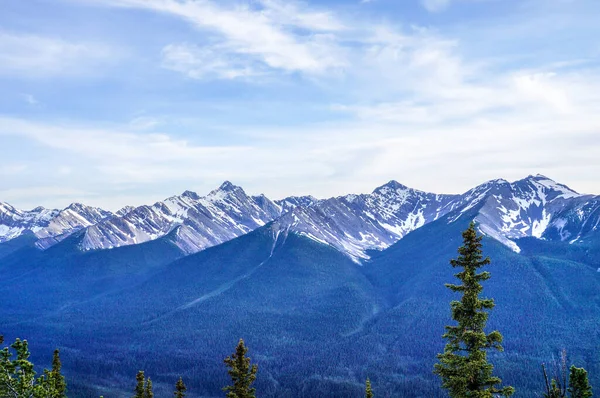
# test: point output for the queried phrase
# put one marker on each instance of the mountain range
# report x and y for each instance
(326, 292)
(353, 224)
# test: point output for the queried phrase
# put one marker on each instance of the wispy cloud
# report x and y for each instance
(209, 62)
(246, 38)
(376, 100)
(38, 56)
(30, 99)
(435, 5)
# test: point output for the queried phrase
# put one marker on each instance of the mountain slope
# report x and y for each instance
(316, 322)
(41, 282)
(532, 207)
(535, 206)
(288, 296)
(354, 224)
(50, 226)
(223, 214)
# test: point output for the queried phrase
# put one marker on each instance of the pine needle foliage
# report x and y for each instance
(18, 378)
(139, 386)
(579, 385)
(463, 366)
(148, 392)
(180, 389)
(143, 386)
(368, 390)
(241, 372)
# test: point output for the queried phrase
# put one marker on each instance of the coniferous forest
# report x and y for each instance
(463, 368)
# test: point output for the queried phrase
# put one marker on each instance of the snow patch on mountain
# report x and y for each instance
(201, 222)
(49, 225)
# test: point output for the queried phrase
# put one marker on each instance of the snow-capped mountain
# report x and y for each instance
(201, 222)
(531, 207)
(535, 206)
(356, 223)
(575, 222)
(292, 202)
(49, 225)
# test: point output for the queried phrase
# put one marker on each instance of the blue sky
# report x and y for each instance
(114, 102)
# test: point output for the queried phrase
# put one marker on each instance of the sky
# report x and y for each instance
(115, 102)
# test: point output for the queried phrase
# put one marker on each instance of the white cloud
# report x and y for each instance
(208, 62)
(244, 37)
(412, 106)
(435, 5)
(143, 123)
(30, 99)
(37, 56)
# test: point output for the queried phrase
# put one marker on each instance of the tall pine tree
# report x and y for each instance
(139, 386)
(180, 389)
(579, 385)
(463, 366)
(148, 392)
(242, 374)
(368, 390)
(56, 379)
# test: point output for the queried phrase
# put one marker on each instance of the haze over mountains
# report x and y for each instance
(325, 292)
(535, 206)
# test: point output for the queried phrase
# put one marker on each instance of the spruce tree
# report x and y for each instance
(56, 379)
(241, 373)
(463, 366)
(579, 385)
(139, 387)
(148, 393)
(180, 389)
(368, 391)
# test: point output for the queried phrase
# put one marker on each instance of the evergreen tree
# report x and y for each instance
(368, 391)
(180, 389)
(463, 366)
(17, 377)
(57, 380)
(579, 385)
(148, 393)
(242, 374)
(52, 383)
(139, 387)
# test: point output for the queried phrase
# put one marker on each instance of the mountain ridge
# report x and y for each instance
(535, 206)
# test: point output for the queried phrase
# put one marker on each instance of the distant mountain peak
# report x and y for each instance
(392, 184)
(225, 190)
(75, 206)
(547, 183)
(190, 194)
(227, 186)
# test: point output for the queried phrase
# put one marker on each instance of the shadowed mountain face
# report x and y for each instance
(317, 322)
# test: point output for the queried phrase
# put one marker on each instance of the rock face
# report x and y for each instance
(49, 225)
(201, 222)
(535, 206)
